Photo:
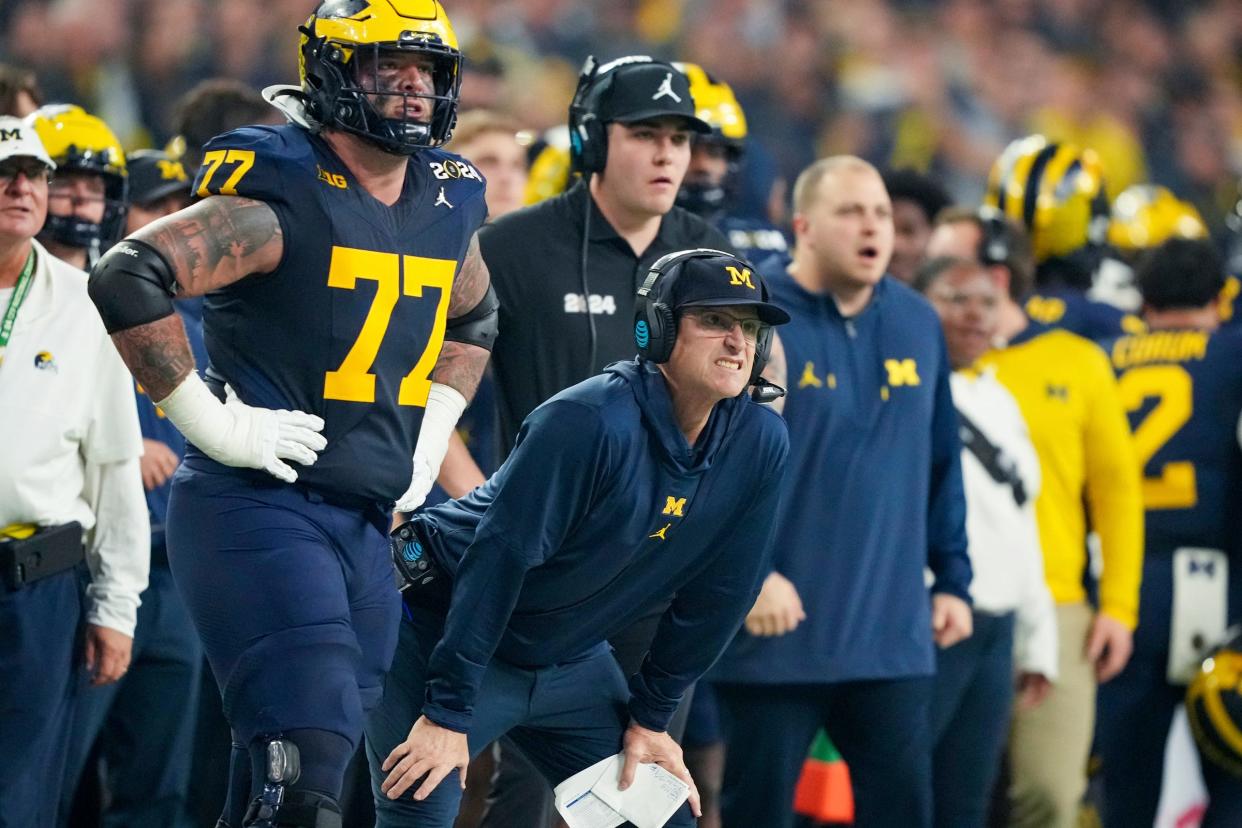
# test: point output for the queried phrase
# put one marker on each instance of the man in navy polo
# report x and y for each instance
(842, 633)
(654, 482)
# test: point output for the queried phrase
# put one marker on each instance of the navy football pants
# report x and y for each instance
(564, 718)
(294, 601)
(881, 729)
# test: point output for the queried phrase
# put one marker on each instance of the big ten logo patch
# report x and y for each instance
(334, 179)
(579, 303)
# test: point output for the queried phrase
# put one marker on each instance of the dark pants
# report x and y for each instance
(38, 661)
(564, 718)
(520, 795)
(144, 722)
(881, 728)
(1134, 713)
(971, 704)
(293, 599)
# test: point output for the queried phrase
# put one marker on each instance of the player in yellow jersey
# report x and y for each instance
(1066, 390)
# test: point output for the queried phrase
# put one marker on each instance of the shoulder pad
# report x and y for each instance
(259, 162)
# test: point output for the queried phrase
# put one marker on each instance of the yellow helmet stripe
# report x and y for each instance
(1053, 175)
(1015, 184)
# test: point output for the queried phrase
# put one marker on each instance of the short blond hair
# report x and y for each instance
(478, 122)
(806, 188)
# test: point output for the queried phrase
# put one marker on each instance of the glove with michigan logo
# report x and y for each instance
(241, 435)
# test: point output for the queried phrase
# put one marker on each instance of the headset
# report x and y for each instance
(588, 139)
(995, 244)
(655, 324)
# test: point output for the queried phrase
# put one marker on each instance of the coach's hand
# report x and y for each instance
(655, 747)
(431, 751)
(777, 610)
(951, 619)
(106, 654)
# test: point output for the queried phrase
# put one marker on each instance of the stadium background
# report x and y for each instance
(1155, 88)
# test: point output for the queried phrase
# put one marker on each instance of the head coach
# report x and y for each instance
(653, 482)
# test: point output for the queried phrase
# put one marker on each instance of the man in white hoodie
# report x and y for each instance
(1014, 620)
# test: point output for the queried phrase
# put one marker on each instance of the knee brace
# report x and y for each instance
(280, 806)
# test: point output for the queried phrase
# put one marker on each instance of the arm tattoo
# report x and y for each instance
(471, 282)
(217, 241)
(460, 366)
(157, 354)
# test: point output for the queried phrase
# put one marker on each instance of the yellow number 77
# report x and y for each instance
(353, 381)
(244, 159)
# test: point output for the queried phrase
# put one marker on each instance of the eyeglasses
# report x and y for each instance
(719, 323)
(32, 168)
(63, 190)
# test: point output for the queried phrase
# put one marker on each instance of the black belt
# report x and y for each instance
(49, 551)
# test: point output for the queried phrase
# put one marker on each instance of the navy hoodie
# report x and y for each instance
(601, 513)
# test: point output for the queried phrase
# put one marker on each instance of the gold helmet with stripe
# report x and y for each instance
(1147, 215)
(717, 106)
(341, 58)
(1214, 707)
(81, 143)
(1056, 192)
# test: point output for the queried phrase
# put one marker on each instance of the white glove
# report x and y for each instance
(444, 407)
(240, 435)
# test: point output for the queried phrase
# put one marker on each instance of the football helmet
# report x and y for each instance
(1056, 192)
(1146, 215)
(79, 142)
(1214, 707)
(340, 58)
(714, 103)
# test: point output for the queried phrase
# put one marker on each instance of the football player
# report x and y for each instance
(348, 321)
(1182, 386)
(1055, 191)
(87, 198)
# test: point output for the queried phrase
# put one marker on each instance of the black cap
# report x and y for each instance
(717, 281)
(642, 89)
(153, 175)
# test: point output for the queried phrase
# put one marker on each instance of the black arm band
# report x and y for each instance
(478, 326)
(132, 284)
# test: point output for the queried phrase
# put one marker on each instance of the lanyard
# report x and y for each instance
(15, 303)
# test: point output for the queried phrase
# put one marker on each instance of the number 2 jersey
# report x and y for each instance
(349, 325)
(1182, 390)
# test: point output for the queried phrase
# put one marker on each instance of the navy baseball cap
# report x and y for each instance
(642, 89)
(722, 280)
(153, 175)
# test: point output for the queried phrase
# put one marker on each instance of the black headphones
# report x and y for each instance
(588, 139)
(995, 243)
(655, 325)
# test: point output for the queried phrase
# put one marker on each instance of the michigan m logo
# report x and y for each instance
(740, 277)
(171, 170)
(902, 372)
(10, 134)
(674, 505)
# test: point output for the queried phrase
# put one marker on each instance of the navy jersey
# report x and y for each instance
(1063, 307)
(350, 323)
(753, 239)
(1183, 392)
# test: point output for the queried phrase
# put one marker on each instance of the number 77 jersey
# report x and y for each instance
(350, 323)
(1182, 390)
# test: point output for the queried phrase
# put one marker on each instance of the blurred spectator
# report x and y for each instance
(19, 91)
(917, 199)
(211, 108)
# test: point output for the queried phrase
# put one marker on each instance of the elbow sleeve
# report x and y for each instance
(132, 284)
(479, 325)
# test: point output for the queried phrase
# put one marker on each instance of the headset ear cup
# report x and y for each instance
(594, 145)
(662, 344)
(763, 350)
